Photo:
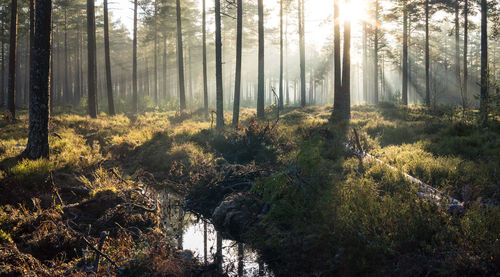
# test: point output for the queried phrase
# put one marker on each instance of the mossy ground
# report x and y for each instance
(328, 214)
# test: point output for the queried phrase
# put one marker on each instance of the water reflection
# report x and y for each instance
(200, 237)
(237, 259)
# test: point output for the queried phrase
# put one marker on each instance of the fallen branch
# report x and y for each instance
(120, 269)
(427, 192)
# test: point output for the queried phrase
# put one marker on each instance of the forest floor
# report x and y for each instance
(320, 210)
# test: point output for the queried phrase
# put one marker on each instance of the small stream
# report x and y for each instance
(200, 237)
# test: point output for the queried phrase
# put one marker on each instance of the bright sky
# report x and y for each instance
(317, 14)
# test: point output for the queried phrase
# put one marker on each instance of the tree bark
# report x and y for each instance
(109, 81)
(218, 67)
(135, 104)
(427, 58)
(336, 58)
(180, 58)
(346, 71)
(261, 78)
(205, 80)
(404, 91)
(302, 55)
(239, 46)
(38, 138)
(375, 55)
(466, 41)
(92, 91)
(11, 101)
(483, 110)
(155, 90)
(280, 106)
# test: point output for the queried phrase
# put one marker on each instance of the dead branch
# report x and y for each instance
(120, 269)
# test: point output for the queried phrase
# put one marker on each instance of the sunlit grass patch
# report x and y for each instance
(29, 172)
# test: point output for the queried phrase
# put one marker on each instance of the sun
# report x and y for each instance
(353, 10)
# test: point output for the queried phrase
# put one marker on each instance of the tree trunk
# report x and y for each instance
(67, 94)
(375, 55)
(38, 138)
(165, 77)
(280, 106)
(135, 104)
(180, 58)
(466, 39)
(11, 102)
(32, 40)
(336, 58)
(404, 91)
(109, 82)
(218, 67)
(457, 46)
(261, 84)
(92, 99)
(205, 80)
(427, 58)
(302, 55)
(365, 62)
(237, 83)
(346, 71)
(2, 71)
(155, 90)
(483, 110)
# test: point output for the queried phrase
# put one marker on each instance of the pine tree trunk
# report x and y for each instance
(375, 56)
(281, 57)
(32, 40)
(346, 71)
(336, 57)
(135, 104)
(483, 110)
(38, 138)
(457, 46)
(365, 62)
(218, 67)
(427, 58)
(155, 90)
(404, 91)
(92, 91)
(165, 77)
(302, 55)
(466, 39)
(109, 81)
(239, 46)
(261, 84)
(11, 101)
(180, 58)
(67, 95)
(205, 80)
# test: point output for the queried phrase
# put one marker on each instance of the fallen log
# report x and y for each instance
(426, 191)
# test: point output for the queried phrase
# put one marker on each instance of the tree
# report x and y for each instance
(218, 67)
(336, 58)
(11, 101)
(180, 58)
(404, 91)
(375, 53)
(302, 50)
(239, 46)
(346, 72)
(205, 81)
(280, 104)
(109, 82)
(427, 57)
(261, 80)
(92, 73)
(466, 41)
(483, 110)
(38, 138)
(135, 103)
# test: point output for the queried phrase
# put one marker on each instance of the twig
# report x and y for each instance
(104, 235)
(102, 254)
(55, 189)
